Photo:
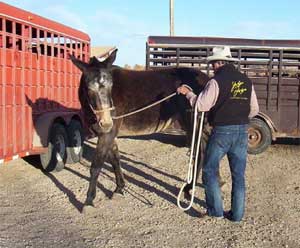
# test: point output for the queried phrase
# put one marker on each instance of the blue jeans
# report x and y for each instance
(233, 141)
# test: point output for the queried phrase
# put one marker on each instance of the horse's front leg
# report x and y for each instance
(114, 160)
(95, 169)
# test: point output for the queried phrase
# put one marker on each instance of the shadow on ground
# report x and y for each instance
(133, 169)
(175, 140)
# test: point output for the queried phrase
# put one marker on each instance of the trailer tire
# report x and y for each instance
(55, 158)
(76, 138)
(259, 136)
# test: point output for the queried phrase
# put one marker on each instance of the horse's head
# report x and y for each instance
(97, 78)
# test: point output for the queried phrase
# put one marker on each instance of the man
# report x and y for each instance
(231, 100)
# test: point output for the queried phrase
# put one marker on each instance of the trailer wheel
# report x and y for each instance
(54, 159)
(76, 138)
(259, 136)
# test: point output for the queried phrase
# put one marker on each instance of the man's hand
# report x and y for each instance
(183, 90)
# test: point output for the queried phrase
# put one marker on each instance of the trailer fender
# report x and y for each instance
(269, 122)
(43, 124)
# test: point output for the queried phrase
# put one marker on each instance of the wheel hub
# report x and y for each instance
(254, 137)
(77, 142)
(60, 147)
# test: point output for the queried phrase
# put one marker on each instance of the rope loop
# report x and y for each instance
(193, 162)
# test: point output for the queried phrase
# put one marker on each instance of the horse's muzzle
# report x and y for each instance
(105, 121)
(105, 126)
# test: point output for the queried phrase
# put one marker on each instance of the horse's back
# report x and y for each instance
(135, 89)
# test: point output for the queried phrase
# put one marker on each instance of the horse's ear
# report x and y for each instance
(78, 63)
(111, 58)
(94, 62)
(28, 100)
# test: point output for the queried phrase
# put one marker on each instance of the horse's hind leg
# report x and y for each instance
(94, 172)
(114, 159)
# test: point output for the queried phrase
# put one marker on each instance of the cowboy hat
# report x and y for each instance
(221, 53)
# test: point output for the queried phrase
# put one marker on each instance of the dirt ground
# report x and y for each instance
(44, 210)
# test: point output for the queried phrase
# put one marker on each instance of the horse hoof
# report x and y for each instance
(119, 191)
(88, 209)
(118, 194)
(187, 195)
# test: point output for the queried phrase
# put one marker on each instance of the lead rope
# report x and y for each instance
(144, 108)
(192, 176)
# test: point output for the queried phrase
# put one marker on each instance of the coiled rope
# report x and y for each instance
(192, 168)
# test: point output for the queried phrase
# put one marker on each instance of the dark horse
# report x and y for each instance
(107, 91)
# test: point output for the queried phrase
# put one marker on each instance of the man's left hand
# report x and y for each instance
(183, 90)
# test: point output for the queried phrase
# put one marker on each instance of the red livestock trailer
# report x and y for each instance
(39, 105)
